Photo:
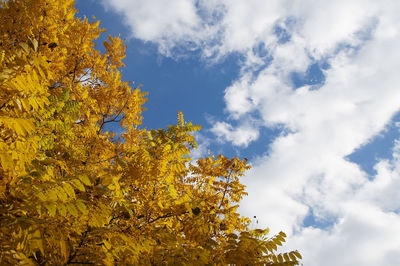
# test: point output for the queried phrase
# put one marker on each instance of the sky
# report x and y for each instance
(307, 90)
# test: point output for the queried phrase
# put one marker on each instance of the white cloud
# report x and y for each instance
(157, 19)
(248, 22)
(167, 23)
(383, 190)
(202, 149)
(325, 24)
(237, 98)
(359, 97)
(364, 236)
(240, 136)
(305, 169)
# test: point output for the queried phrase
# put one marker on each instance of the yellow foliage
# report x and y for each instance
(72, 192)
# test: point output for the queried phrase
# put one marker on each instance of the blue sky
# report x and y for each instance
(307, 90)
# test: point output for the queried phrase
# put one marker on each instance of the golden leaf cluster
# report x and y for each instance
(74, 192)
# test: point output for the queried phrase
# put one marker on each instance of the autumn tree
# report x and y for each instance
(74, 192)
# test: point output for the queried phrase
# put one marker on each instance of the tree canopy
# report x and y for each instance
(74, 192)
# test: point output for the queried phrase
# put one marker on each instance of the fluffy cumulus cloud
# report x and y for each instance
(354, 44)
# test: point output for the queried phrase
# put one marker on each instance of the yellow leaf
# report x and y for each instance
(77, 184)
(72, 210)
(61, 194)
(82, 207)
(63, 248)
(107, 180)
(286, 257)
(107, 244)
(292, 256)
(280, 259)
(25, 104)
(85, 180)
(37, 241)
(51, 209)
(173, 192)
(39, 210)
(6, 161)
(297, 254)
(69, 190)
(62, 210)
(52, 195)
(34, 43)
(41, 196)
(24, 46)
(18, 128)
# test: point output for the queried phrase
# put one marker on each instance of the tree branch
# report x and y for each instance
(225, 190)
(168, 215)
(103, 122)
(73, 255)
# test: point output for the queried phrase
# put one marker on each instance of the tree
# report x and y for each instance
(73, 192)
